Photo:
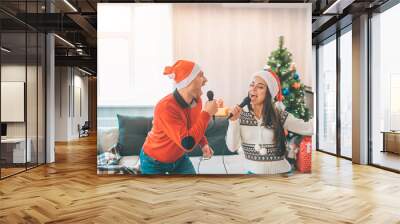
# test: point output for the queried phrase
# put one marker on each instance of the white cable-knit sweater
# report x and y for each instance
(256, 142)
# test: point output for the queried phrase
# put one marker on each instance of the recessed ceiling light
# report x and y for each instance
(64, 40)
(5, 50)
(338, 6)
(70, 5)
(84, 71)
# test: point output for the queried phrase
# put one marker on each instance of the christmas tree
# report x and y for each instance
(280, 62)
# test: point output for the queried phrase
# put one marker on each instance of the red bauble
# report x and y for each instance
(296, 85)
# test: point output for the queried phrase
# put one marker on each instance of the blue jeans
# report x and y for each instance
(149, 165)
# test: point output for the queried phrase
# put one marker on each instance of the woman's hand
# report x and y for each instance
(236, 112)
(208, 152)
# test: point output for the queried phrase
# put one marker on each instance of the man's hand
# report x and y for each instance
(211, 107)
(208, 152)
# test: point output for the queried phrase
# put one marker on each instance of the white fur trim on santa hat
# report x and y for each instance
(185, 82)
(271, 81)
(171, 76)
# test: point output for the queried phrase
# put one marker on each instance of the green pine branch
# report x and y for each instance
(280, 62)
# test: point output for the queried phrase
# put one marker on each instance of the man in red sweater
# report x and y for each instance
(179, 123)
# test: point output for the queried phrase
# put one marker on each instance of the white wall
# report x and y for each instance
(67, 114)
(10, 73)
(80, 83)
(61, 103)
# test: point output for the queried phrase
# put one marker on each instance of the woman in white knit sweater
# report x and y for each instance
(259, 130)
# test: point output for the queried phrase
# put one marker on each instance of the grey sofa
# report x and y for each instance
(132, 132)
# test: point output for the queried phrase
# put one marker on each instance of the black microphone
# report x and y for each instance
(245, 102)
(210, 96)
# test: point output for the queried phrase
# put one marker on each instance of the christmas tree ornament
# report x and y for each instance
(285, 91)
(296, 76)
(296, 85)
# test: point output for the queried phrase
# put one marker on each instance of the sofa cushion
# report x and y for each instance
(106, 139)
(132, 133)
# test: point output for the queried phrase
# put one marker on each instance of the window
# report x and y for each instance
(327, 97)
(346, 94)
(385, 89)
(22, 65)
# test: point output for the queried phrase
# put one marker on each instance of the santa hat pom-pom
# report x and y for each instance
(171, 76)
(280, 97)
(168, 70)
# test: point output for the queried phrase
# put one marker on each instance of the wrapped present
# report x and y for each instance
(303, 162)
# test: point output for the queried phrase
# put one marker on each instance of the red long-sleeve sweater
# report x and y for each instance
(163, 142)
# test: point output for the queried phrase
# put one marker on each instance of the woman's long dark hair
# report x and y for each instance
(271, 118)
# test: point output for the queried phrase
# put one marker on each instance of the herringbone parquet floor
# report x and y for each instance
(70, 191)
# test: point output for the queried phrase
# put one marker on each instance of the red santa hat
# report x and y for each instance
(183, 72)
(273, 83)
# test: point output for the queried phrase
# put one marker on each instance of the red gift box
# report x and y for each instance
(304, 155)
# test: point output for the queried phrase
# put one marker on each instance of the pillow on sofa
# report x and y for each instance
(106, 139)
(215, 135)
(132, 133)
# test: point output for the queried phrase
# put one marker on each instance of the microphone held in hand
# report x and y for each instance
(245, 102)
(210, 96)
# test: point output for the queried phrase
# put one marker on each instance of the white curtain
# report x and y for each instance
(134, 45)
(233, 41)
